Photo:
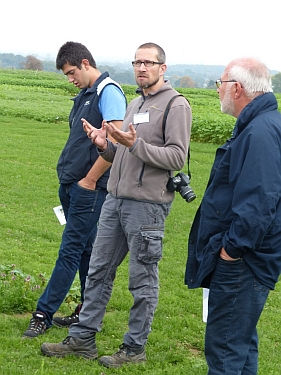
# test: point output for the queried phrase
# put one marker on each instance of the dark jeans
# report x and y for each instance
(236, 301)
(82, 210)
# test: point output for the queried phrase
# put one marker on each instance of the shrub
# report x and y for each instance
(18, 290)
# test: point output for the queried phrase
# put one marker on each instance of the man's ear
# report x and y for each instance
(238, 89)
(86, 63)
(163, 69)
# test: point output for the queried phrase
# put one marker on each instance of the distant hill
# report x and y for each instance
(12, 61)
(201, 75)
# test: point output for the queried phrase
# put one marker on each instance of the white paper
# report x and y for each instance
(60, 214)
(205, 304)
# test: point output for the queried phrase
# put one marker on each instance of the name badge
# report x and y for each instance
(140, 118)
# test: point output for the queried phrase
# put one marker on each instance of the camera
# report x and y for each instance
(180, 183)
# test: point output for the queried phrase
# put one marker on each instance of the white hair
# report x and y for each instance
(252, 74)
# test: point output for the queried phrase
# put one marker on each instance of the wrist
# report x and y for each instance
(104, 147)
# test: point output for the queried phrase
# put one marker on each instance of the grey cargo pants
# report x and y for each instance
(125, 226)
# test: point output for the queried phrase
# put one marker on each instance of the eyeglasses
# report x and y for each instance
(146, 63)
(219, 82)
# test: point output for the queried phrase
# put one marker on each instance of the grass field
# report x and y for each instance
(30, 236)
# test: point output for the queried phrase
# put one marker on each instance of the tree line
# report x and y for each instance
(180, 75)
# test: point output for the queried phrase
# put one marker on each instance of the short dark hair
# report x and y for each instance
(73, 53)
(160, 52)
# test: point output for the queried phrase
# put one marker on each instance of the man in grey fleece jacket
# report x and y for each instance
(133, 215)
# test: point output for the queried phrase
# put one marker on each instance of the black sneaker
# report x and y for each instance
(81, 347)
(124, 355)
(66, 321)
(37, 325)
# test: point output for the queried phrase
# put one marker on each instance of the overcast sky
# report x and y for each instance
(190, 31)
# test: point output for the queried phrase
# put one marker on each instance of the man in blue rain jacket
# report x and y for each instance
(235, 241)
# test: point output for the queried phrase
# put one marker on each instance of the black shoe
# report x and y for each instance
(37, 325)
(66, 321)
(85, 347)
(124, 355)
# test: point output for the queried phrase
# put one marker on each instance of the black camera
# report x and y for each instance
(180, 183)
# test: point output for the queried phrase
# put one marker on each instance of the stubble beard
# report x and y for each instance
(149, 84)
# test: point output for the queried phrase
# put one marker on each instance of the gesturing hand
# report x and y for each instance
(124, 138)
(98, 136)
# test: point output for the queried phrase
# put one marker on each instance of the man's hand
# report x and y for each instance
(225, 256)
(98, 136)
(124, 138)
(86, 183)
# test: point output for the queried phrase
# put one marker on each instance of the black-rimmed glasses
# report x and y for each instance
(219, 82)
(146, 63)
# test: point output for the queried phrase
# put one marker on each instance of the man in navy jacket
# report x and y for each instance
(234, 244)
(83, 176)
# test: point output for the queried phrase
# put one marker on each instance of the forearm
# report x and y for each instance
(97, 170)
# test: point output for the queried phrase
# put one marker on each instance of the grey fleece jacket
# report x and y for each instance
(142, 172)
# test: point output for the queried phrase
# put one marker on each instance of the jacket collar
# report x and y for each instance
(94, 87)
(262, 103)
(164, 87)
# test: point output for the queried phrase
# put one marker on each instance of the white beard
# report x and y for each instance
(227, 104)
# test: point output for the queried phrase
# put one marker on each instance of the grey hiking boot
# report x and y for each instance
(37, 325)
(85, 347)
(124, 355)
(66, 321)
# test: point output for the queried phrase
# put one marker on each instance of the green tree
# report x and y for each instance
(211, 84)
(125, 78)
(174, 80)
(107, 68)
(11, 61)
(199, 81)
(276, 82)
(50, 66)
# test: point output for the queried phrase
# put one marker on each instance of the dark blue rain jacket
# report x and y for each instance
(241, 208)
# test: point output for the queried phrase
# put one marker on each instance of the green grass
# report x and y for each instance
(30, 236)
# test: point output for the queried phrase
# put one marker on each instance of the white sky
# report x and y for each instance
(190, 31)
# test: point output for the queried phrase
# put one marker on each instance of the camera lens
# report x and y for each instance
(187, 193)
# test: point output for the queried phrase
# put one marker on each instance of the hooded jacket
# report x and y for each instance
(142, 172)
(241, 208)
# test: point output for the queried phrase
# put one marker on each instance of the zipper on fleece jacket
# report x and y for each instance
(143, 166)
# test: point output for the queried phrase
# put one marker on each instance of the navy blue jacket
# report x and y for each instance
(79, 153)
(241, 208)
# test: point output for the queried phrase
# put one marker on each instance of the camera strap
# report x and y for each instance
(164, 126)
